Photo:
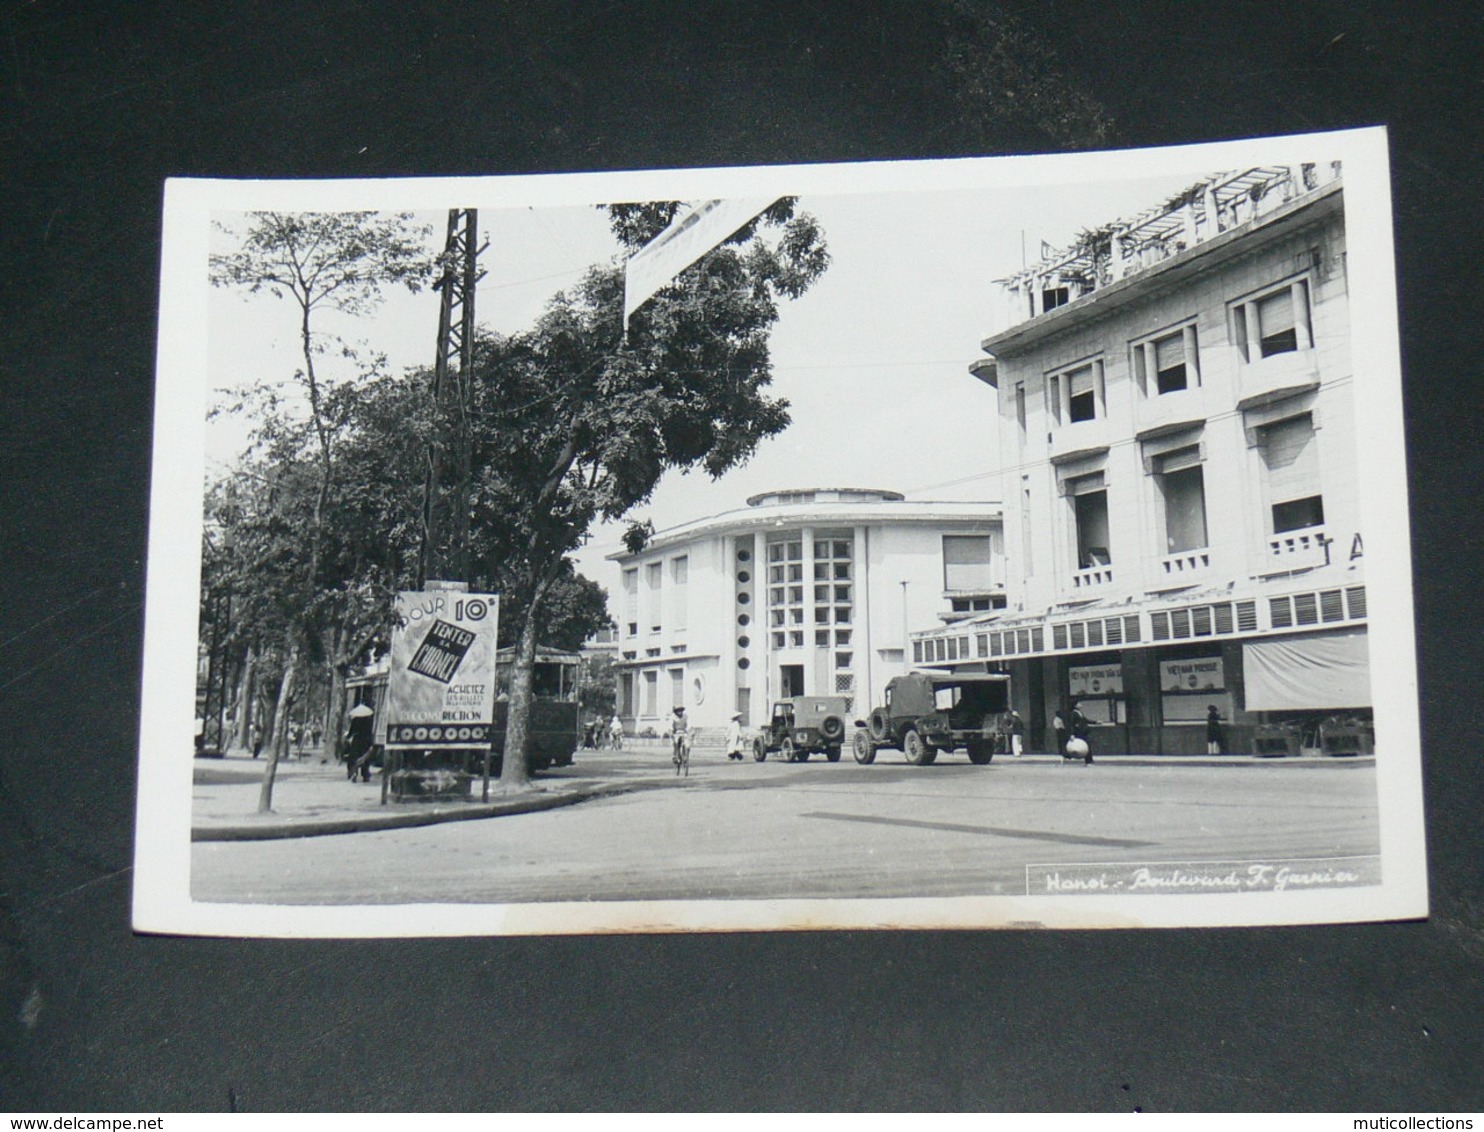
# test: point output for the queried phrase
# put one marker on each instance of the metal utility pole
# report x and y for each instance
(445, 542)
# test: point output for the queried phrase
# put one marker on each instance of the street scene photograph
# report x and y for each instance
(975, 543)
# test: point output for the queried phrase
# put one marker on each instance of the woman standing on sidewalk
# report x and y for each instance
(1213, 730)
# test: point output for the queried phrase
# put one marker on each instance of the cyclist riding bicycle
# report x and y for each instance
(680, 740)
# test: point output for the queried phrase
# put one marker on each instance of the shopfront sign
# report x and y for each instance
(1095, 680)
(441, 689)
(1201, 674)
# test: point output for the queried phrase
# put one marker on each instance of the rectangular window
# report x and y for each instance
(1081, 397)
(679, 575)
(631, 599)
(1168, 362)
(1290, 456)
(654, 575)
(1090, 514)
(1277, 331)
(651, 693)
(967, 562)
(1274, 322)
(1182, 483)
(1076, 394)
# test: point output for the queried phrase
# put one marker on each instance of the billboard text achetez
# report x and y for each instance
(441, 688)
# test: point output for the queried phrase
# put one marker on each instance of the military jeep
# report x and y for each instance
(928, 712)
(803, 726)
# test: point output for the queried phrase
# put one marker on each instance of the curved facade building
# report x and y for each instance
(801, 593)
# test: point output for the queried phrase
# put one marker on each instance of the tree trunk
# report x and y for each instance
(244, 707)
(514, 772)
(280, 728)
(334, 718)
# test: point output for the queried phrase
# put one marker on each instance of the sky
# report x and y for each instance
(873, 359)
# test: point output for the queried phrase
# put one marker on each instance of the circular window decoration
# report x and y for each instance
(744, 620)
(698, 690)
(743, 598)
(744, 663)
(743, 642)
(744, 556)
(743, 576)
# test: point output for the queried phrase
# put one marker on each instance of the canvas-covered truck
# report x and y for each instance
(929, 712)
(804, 726)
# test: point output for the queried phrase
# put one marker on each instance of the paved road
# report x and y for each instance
(817, 830)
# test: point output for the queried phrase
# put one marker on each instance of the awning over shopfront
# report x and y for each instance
(1318, 673)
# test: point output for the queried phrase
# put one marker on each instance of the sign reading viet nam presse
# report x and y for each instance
(1201, 674)
(441, 689)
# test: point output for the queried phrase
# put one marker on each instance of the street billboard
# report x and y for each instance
(441, 689)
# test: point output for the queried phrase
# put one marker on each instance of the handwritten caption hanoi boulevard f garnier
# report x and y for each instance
(1210, 877)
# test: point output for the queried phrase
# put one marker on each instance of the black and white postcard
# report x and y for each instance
(1003, 542)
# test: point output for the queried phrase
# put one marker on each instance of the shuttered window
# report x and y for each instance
(967, 562)
(1290, 457)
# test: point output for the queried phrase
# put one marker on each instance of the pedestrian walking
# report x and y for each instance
(1213, 730)
(1081, 725)
(734, 737)
(1017, 734)
(359, 737)
(1059, 728)
(257, 738)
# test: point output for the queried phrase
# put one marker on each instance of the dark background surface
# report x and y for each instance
(99, 103)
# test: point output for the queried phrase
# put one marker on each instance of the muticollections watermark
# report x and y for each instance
(1187, 877)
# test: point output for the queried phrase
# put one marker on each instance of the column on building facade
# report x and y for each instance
(863, 698)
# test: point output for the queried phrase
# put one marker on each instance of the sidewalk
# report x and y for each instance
(312, 799)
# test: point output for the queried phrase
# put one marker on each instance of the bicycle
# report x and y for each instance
(680, 753)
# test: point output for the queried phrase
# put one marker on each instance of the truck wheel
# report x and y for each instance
(864, 748)
(918, 753)
(788, 751)
(831, 728)
(832, 754)
(980, 752)
(879, 725)
(759, 750)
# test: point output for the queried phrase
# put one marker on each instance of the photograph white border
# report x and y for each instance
(162, 897)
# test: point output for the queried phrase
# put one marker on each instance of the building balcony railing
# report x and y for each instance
(1282, 375)
(1297, 550)
(1092, 577)
(1187, 564)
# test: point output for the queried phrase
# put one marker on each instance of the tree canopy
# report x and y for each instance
(569, 423)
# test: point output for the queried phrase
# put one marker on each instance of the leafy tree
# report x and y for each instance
(575, 608)
(599, 692)
(579, 421)
(321, 261)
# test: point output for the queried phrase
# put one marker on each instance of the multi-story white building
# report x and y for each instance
(807, 592)
(1177, 446)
